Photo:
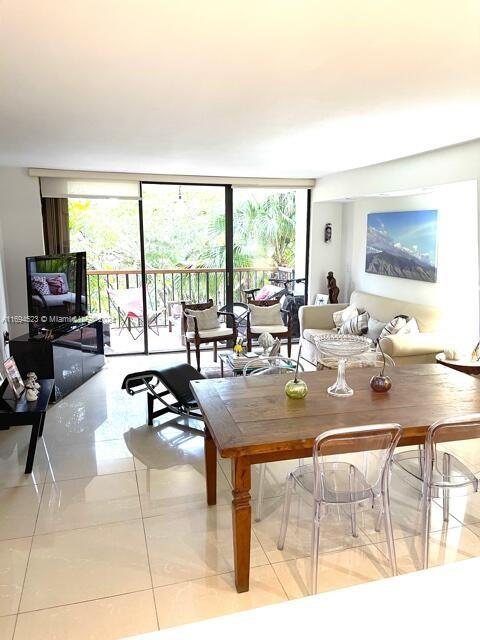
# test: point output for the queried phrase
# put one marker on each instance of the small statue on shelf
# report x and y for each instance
(333, 290)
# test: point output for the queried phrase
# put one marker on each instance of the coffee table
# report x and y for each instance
(237, 368)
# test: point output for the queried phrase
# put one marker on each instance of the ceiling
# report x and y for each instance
(284, 88)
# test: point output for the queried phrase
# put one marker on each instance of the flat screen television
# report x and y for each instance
(56, 289)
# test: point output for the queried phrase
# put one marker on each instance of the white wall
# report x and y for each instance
(451, 164)
(456, 289)
(21, 228)
(325, 256)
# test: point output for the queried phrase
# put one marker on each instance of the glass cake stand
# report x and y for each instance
(342, 347)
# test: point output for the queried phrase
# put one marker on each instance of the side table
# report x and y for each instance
(464, 364)
(15, 413)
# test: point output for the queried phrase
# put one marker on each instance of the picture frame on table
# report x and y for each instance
(14, 378)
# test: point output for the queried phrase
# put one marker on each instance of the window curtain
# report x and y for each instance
(55, 225)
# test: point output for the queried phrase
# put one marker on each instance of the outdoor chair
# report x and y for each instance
(129, 305)
(201, 326)
(159, 384)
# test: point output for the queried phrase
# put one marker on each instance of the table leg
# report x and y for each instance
(42, 423)
(33, 444)
(242, 521)
(210, 468)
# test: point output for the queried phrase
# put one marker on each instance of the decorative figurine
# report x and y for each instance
(238, 347)
(266, 341)
(333, 290)
(31, 393)
(296, 388)
(381, 383)
(32, 376)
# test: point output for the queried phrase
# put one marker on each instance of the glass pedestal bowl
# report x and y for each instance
(342, 347)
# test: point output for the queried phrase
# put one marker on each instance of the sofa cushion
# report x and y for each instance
(394, 326)
(40, 285)
(356, 326)
(57, 286)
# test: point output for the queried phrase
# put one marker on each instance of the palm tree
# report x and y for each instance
(262, 230)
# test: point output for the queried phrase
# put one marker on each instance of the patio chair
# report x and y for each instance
(264, 318)
(129, 305)
(159, 384)
(201, 326)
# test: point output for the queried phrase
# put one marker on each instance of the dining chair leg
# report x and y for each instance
(387, 518)
(189, 357)
(286, 511)
(289, 346)
(261, 489)
(353, 506)
(215, 350)
(426, 508)
(315, 547)
(378, 521)
(446, 466)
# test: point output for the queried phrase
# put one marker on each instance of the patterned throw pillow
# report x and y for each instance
(397, 325)
(39, 285)
(355, 326)
(411, 327)
(57, 286)
(340, 317)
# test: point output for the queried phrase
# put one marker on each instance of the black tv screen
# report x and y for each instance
(57, 288)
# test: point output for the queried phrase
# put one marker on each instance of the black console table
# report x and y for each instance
(73, 356)
(15, 413)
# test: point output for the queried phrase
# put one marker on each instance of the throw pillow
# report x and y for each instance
(265, 316)
(394, 326)
(39, 285)
(206, 319)
(57, 286)
(375, 328)
(411, 327)
(355, 326)
(340, 317)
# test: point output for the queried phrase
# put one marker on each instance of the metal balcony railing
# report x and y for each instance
(165, 286)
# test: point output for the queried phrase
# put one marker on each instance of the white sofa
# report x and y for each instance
(404, 349)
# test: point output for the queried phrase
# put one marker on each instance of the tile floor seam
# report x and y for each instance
(71, 604)
(88, 526)
(27, 563)
(98, 475)
(147, 550)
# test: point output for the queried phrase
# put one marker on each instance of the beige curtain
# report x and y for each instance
(55, 225)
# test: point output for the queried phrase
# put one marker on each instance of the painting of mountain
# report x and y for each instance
(403, 244)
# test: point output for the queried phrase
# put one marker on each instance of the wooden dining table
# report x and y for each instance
(251, 421)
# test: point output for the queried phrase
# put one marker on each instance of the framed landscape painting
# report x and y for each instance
(403, 244)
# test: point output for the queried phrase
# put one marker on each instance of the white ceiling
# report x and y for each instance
(296, 88)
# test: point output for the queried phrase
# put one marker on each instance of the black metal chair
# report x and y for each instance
(171, 381)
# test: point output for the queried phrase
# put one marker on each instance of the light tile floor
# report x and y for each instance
(110, 536)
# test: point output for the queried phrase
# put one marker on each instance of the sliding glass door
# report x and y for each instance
(185, 242)
(108, 230)
(185, 254)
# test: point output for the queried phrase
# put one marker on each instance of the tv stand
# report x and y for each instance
(72, 356)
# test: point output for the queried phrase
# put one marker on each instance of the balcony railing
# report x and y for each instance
(165, 286)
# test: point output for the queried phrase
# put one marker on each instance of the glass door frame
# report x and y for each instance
(229, 222)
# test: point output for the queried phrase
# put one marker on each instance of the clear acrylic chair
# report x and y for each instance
(273, 365)
(444, 470)
(345, 480)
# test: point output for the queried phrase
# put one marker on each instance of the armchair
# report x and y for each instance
(266, 316)
(201, 326)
